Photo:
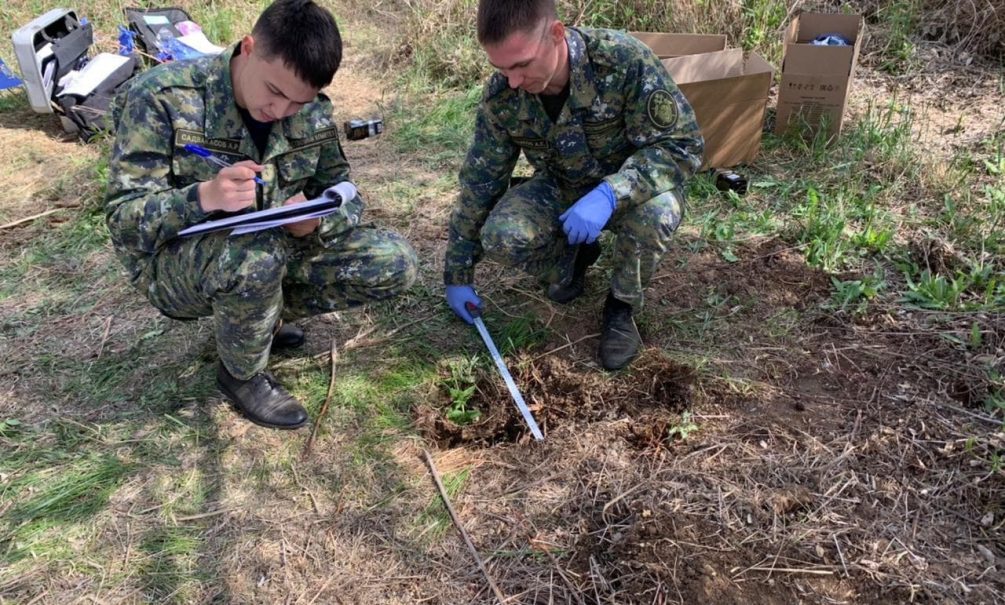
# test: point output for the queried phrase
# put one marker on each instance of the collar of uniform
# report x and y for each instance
(297, 126)
(222, 120)
(581, 89)
(582, 92)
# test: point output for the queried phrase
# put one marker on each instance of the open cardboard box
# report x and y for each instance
(729, 93)
(816, 79)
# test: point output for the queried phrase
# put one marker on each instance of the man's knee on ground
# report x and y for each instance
(255, 264)
(509, 241)
(393, 269)
(655, 219)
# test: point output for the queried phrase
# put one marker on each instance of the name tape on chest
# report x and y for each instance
(184, 137)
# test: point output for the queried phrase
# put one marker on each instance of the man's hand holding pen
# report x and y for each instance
(232, 189)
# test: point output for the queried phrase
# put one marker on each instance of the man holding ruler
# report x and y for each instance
(612, 141)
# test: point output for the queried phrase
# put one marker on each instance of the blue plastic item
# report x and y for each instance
(170, 49)
(127, 41)
(831, 40)
(7, 78)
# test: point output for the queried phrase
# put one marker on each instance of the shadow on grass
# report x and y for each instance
(124, 449)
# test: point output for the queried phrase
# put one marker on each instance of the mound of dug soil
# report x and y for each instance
(652, 393)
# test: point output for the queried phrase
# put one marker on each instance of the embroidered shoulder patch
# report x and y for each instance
(662, 109)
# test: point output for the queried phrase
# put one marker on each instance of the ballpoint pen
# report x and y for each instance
(205, 153)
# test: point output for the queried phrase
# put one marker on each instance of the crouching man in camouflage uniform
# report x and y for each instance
(257, 106)
(611, 140)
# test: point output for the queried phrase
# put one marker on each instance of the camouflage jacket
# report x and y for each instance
(152, 178)
(625, 122)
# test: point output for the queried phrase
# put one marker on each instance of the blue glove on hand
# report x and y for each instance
(457, 296)
(587, 217)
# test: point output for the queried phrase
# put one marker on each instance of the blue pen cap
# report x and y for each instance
(199, 151)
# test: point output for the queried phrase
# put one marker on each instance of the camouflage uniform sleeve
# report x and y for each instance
(484, 178)
(143, 209)
(660, 123)
(333, 168)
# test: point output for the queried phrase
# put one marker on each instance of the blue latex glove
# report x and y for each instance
(587, 217)
(457, 296)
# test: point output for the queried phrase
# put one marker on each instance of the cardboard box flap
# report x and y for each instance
(810, 25)
(675, 45)
(706, 77)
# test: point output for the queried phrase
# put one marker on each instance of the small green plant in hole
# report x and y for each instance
(461, 387)
(683, 429)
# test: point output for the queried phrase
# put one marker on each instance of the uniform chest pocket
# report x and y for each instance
(189, 168)
(605, 137)
(537, 151)
(297, 167)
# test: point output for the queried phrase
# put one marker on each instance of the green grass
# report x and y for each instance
(53, 504)
(440, 130)
(171, 569)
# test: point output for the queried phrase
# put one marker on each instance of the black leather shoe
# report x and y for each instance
(287, 336)
(619, 340)
(586, 255)
(262, 400)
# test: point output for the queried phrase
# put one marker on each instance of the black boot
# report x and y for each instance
(287, 336)
(586, 255)
(262, 400)
(619, 340)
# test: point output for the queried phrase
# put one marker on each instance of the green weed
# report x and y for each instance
(824, 220)
(523, 333)
(855, 295)
(684, 429)
(901, 16)
(461, 385)
(978, 288)
(11, 101)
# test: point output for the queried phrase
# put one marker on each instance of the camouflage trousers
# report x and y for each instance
(523, 231)
(248, 282)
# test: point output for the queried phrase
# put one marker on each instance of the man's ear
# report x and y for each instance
(247, 45)
(557, 31)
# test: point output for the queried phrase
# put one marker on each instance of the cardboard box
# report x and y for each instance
(816, 79)
(675, 45)
(729, 94)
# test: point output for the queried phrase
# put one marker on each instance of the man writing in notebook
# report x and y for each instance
(612, 141)
(258, 107)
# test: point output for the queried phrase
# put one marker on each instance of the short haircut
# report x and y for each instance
(497, 19)
(304, 35)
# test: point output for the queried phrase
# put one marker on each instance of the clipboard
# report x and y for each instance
(249, 222)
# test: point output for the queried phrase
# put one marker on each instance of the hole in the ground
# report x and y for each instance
(651, 395)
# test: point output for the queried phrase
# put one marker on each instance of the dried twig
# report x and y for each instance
(104, 338)
(565, 346)
(460, 528)
(324, 408)
(28, 219)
